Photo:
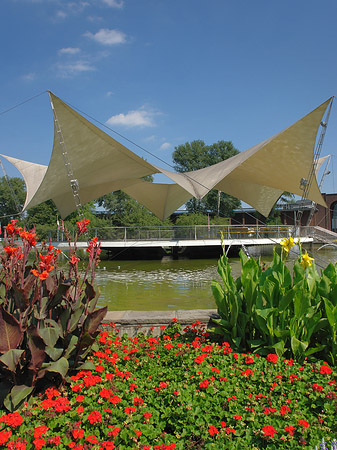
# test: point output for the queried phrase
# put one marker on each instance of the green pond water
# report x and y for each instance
(171, 284)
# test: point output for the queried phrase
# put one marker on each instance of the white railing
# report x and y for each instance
(193, 232)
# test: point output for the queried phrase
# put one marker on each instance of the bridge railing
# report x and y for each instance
(194, 232)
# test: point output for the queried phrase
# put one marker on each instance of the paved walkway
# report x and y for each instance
(133, 322)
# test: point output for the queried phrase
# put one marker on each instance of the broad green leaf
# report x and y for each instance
(71, 346)
(17, 395)
(50, 335)
(74, 318)
(331, 313)
(54, 353)
(60, 366)
(11, 359)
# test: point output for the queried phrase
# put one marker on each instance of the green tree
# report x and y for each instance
(124, 211)
(12, 197)
(197, 155)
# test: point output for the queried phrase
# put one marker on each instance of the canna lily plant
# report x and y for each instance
(48, 320)
(271, 309)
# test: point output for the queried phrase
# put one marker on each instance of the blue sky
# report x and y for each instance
(164, 72)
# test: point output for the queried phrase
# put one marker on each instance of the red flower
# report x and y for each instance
(204, 384)
(130, 409)
(213, 430)
(4, 436)
(247, 372)
(237, 417)
(249, 360)
(29, 237)
(138, 401)
(292, 378)
(55, 440)
(284, 409)
(94, 417)
(107, 445)
(147, 415)
(74, 260)
(272, 358)
(304, 423)
(39, 431)
(269, 430)
(325, 370)
(290, 429)
(39, 443)
(78, 433)
(12, 419)
(138, 433)
(115, 399)
(317, 387)
(82, 226)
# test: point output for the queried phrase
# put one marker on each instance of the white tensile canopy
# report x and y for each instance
(100, 164)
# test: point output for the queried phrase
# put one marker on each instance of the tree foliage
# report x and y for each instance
(197, 155)
(124, 211)
(11, 205)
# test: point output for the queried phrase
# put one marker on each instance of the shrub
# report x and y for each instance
(48, 320)
(270, 309)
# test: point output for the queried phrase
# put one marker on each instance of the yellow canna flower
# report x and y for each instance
(306, 261)
(287, 244)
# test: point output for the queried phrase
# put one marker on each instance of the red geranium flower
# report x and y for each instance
(213, 430)
(290, 429)
(304, 423)
(95, 417)
(39, 431)
(325, 370)
(272, 357)
(269, 430)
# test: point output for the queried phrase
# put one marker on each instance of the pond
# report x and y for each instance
(172, 284)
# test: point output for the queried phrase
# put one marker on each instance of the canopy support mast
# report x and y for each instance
(72, 180)
(306, 183)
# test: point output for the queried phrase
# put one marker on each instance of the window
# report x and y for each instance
(334, 217)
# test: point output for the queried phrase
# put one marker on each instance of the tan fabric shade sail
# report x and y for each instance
(100, 164)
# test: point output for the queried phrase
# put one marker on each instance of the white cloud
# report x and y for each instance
(114, 3)
(72, 69)
(69, 51)
(140, 118)
(108, 37)
(109, 93)
(29, 76)
(61, 14)
(165, 146)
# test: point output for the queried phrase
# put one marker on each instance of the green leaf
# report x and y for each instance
(16, 396)
(75, 318)
(71, 346)
(331, 313)
(11, 359)
(61, 366)
(298, 347)
(54, 353)
(50, 335)
(87, 365)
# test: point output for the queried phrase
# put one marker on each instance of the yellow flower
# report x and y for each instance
(287, 244)
(306, 261)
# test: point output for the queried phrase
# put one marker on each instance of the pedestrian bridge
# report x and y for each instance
(189, 239)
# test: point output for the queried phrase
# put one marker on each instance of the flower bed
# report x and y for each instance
(180, 392)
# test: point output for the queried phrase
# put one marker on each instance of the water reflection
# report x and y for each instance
(168, 284)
